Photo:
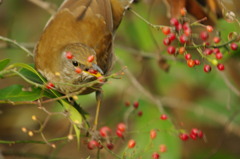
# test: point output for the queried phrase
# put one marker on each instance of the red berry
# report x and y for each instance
(100, 79)
(183, 39)
(110, 146)
(136, 105)
(127, 104)
(90, 58)
(140, 113)
(194, 131)
(78, 70)
(207, 68)
(208, 51)
(181, 50)
(200, 134)
(204, 35)
(131, 143)
(163, 117)
(216, 50)
(209, 28)
(174, 21)
(50, 85)
(194, 137)
(163, 148)
(166, 41)
(234, 46)
(220, 67)
(197, 62)
(188, 56)
(119, 133)
(178, 27)
(171, 50)
(166, 30)
(105, 131)
(216, 39)
(184, 137)
(188, 32)
(186, 26)
(155, 155)
(153, 134)
(121, 127)
(171, 36)
(92, 144)
(69, 55)
(92, 71)
(190, 63)
(219, 55)
(183, 11)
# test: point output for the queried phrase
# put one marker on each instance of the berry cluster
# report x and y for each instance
(162, 147)
(180, 40)
(194, 134)
(135, 106)
(105, 134)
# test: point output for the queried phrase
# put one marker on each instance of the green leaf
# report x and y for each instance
(4, 63)
(15, 93)
(31, 75)
(29, 68)
(75, 116)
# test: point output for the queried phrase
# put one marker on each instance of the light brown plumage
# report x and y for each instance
(84, 28)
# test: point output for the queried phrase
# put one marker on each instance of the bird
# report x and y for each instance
(76, 46)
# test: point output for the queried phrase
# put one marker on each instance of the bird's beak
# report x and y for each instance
(97, 68)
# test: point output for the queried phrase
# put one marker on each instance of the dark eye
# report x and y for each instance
(86, 69)
(75, 63)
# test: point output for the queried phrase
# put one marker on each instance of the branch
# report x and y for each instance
(146, 93)
(16, 44)
(199, 110)
(229, 84)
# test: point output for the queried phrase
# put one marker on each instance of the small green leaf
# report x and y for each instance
(29, 74)
(75, 116)
(4, 63)
(16, 93)
(29, 68)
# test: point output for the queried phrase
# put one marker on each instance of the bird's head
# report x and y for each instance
(79, 64)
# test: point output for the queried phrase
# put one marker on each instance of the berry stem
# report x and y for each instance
(157, 27)
(213, 46)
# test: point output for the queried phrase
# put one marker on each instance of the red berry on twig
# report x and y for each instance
(163, 117)
(131, 143)
(155, 155)
(171, 50)
(207, 68)
(183, 136)
(234, 46)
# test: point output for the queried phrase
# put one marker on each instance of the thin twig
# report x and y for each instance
(146, 93)
(157, 27)
(199, 110)
(229, 84)
(16, 44)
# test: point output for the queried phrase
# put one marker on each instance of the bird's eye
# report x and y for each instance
(86, 69)
(75, 63)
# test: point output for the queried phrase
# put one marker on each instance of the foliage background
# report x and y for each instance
(191, 97)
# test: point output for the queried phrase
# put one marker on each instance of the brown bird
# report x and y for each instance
(79, 38)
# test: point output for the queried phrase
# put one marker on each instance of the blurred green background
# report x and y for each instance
(191, 98)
